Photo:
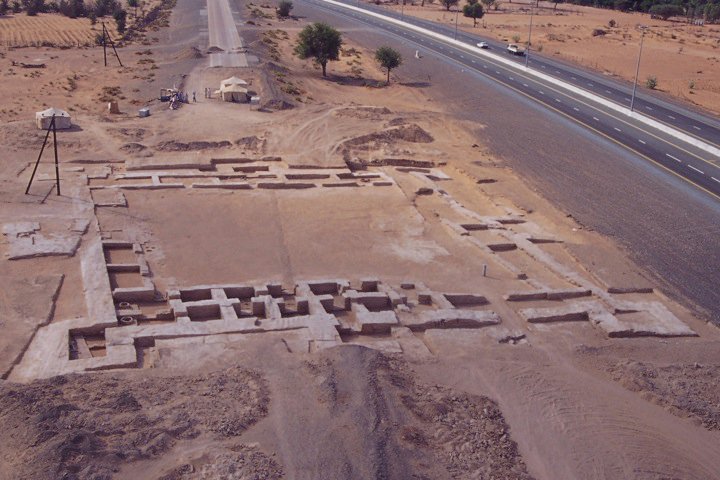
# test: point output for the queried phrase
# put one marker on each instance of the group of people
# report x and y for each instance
(181, 97)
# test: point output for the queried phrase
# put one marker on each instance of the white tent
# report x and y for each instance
(233, 89)
(62, 118)
(233, 81)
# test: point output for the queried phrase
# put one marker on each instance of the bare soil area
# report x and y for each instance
(337, 282)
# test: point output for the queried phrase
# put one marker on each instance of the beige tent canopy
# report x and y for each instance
(62, 118)
(233, 89)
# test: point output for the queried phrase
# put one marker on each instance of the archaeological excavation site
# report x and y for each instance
(303, 277)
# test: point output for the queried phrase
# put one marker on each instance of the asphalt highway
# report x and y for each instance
(223, 34)
(688, 162)
(696, 124)
(663, 222)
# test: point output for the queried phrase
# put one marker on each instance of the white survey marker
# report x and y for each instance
(558, 83)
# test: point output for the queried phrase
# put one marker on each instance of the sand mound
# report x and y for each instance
(277, 105)
(133, 147)
(371, 113)
(189, 53)
(688, 389)
(85, 426)
(241, 461)
(252, 142)
(387, 425)
(384, 140)
(173, 146)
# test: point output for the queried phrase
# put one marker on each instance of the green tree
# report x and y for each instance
(666, 11)
(651, 82)
(474, 11)
(489, 4)
(284, 7)
(134, 4)
(4, 7)
(449, 3)
(120, 17)
(33, 7)
(321, 42)
(388, 58)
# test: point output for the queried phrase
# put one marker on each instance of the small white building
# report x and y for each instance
(62, 119)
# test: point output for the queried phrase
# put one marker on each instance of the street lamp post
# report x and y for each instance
(637, 69)
(527, 51)
(457, 11)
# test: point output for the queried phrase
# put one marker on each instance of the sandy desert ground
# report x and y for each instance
(684, 58)
(348, 288)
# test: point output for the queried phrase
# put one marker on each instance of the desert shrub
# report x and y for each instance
(612, 23)
(120, 17)
(284, 8)
(103, 8)
(516, 38)
(16, 7)
(666, 11)
(651, 82)
(597, 32)
(72, 8)
(33, 7)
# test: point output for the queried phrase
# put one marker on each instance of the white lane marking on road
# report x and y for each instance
(590, 85)
(497, 72)
(649, 108)
(573, 78)
(671, 117)
(576, 109)
(525, 85)
(473, 61)
(715, 179)
(674, 158)
(542, 66)
(608, 91)
(596, 119)
(617, 129)
(541, 92)
(511, 78)
(557, 71)
(558, 100)
(696, 127)
(484, 66)
(642, 141)
(697, 170)
(462, 56)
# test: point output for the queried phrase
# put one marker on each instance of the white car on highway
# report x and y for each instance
(483, 45)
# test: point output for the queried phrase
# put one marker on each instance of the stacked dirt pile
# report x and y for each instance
(86, 426)
(173, 146)
(385, 141)
(190, 53)
(687, 389)
(387, 425)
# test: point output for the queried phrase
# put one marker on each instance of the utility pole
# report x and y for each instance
(51, 127)
(527, 51)
(104, 43)
(105, 39)
(637, 69)
(457, 11)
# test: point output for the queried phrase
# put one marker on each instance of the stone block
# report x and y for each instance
(369, 284)
(465, 299)
(449, 318)
(134, 294)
